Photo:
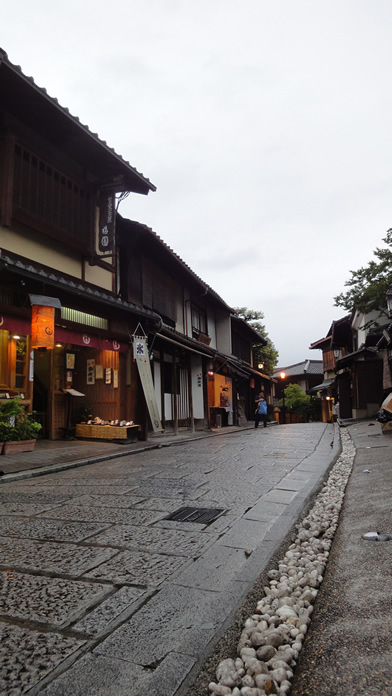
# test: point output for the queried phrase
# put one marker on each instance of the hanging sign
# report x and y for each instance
(90, 378)
(142, 358)
(106, 222)
(42, 327)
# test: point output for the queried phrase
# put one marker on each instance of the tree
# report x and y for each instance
(369, 284)
(266, 354)
(296, 399)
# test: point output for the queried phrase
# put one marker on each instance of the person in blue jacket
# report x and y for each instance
(261, 410)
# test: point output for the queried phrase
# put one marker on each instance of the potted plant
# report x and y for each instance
(18, 430)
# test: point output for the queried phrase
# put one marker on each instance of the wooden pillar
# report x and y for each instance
(175, 397)
(190, 396)
(162, 368)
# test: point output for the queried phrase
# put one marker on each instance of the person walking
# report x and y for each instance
(261, 410)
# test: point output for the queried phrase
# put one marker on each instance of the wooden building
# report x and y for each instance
(202, 357)
(59, 186)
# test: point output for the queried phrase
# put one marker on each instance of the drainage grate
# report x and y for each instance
(192, 514)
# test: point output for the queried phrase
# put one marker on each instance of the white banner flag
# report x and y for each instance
(140, 354)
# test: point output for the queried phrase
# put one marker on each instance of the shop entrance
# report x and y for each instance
(41, 389)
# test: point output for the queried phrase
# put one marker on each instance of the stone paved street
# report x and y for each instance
(101, 593)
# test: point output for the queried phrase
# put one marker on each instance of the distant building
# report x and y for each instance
(307, 374)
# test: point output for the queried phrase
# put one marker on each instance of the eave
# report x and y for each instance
(57, 125)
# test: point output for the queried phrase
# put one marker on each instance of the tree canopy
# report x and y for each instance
(266, 354)
(369, 284)
(295, 398)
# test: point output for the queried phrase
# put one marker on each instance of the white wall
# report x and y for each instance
(211, 327)
(223, 332)
(36, 247)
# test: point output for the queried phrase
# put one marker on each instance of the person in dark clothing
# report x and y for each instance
(261, 410)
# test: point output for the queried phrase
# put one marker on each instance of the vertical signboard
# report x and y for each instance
(142, 358)
(106, 222)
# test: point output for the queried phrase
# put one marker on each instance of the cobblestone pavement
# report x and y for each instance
(101, 593)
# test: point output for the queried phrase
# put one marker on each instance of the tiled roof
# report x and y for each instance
(149, 231)
(306, 367)
(16, 69)
(76, 288)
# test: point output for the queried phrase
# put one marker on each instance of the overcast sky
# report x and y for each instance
(264, 124)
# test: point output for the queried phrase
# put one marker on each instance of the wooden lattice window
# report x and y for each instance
(48, 195)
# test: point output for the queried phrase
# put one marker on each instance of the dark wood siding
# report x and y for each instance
(50, 198)
(159, 290)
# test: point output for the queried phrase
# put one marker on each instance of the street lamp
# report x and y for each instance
(283, 377)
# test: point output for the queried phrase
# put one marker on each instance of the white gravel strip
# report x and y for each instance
(273, 636)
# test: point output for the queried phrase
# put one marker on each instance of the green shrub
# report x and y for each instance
(15, 424)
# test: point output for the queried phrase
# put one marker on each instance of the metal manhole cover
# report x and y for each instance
(199, 515)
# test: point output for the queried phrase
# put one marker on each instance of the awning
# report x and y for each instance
(183, 346)
(322, 387)
(362, 354)
(76, 287)
(232, 365)
(259, 374)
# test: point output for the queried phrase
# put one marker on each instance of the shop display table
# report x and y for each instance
(108, 432)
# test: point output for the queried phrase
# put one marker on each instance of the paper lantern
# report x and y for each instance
(42, 327)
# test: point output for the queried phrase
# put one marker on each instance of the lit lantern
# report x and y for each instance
(42, 327)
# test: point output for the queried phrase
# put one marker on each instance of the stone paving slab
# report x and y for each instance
(26, 657)
(49, 557)
(137, 568)
(46, 530)
(265, 510)
(104, 514)
(24, 509)
(292, 484)
(212, 569)
(156, 540)
(162, 489)
(119, 606)
(53, 601)
(112, 501)
(232, 497)
(279, 496)
(245, 534)
(68, 491)
(167, 623)
(23, 496)
(94, 675)
(79, 479)
(169, 675)
(162, 504)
